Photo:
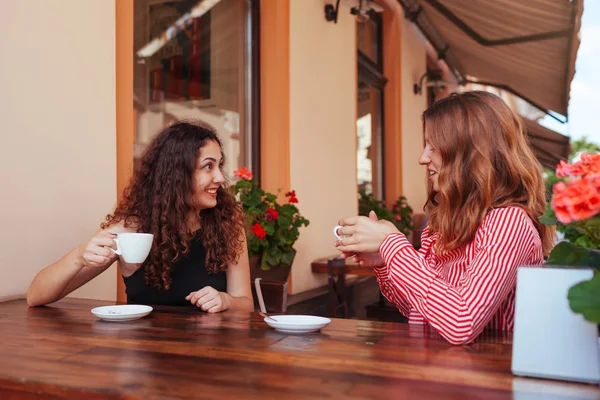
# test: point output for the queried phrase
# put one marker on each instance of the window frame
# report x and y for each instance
(371, 73)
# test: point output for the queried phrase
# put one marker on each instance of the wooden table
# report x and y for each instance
(63, 351)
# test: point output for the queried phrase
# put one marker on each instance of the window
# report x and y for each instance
(368, 37)
(194, 61)
(369, 123)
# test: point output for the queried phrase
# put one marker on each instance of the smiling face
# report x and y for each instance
(432, 159)
(208, 176)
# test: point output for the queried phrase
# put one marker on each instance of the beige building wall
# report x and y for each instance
(57, 118)
(414, 64)
(322, 129)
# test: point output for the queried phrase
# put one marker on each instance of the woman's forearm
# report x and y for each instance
(50, 283)
(240, 303)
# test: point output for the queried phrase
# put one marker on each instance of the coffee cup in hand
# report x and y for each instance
(337, 235)
(133, 247)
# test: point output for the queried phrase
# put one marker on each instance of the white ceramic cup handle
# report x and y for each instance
(118, 250)
(335, 232)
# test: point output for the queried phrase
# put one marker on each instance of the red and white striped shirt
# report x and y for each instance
(467, 289)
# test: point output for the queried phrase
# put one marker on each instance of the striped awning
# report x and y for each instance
(525, 47)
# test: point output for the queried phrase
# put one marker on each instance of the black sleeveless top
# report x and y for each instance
(188, 275)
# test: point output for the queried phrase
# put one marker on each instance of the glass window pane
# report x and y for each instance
(368, 136)
(192, 68)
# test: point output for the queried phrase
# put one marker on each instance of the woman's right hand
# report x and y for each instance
(97, 252)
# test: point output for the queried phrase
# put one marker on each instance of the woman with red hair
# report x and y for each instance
(198, 256)
(485, 195)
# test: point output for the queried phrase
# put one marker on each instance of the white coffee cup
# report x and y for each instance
(133, 247)
(335, 232)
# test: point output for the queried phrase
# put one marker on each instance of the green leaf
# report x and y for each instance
(244, 184)
(583, 241)
(568, 254)
(548, 220)
(263, 261)
(287, 210)
(251, 199)
(269, 229)
(584, 298)
(273, 256)
(287, 256)
(284, 222)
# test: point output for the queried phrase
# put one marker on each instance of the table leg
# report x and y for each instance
(337, 288)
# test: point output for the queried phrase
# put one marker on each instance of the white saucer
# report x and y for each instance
(126, 312)
(297, 323)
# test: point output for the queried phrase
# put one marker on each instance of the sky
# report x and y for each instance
(584, 106)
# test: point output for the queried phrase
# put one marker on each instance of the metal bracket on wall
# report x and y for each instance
(331, 13)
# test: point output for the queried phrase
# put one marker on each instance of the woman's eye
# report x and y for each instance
(207, 167)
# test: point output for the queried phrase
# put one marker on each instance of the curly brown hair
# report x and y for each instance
(159, 200)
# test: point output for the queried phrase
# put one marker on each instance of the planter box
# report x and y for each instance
(550, 341)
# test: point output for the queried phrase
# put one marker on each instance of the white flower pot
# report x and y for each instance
(550, 341)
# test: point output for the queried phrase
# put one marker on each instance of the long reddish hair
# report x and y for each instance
(486, 163)
(159, 200)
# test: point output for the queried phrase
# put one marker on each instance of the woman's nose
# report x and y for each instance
(219, 177)
(424, 159)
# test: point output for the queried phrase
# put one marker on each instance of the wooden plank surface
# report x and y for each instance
(63, 351)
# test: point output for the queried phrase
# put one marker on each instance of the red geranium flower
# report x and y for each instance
(272, 214)
(576, 201)
(588, 166)
(243, 173)
(259, 231)
(292, 196)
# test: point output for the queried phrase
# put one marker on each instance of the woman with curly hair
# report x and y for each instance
(486, 194)
(199, 255)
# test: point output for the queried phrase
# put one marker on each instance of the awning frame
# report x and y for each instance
(454, 65)
(500, 42)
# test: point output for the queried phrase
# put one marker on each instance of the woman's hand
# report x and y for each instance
(67, 274)
(363, 235)
(365, 259)
(209, 299)
(97, 252)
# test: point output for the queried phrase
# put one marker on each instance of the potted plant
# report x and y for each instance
(575, 209)
(272, 228)
(562, 301)
(400, 214)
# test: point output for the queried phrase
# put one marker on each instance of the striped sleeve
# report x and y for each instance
(397, 295)
(460, 312)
